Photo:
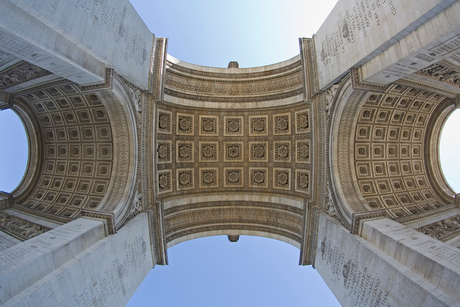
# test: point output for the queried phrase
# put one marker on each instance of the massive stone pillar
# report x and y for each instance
(77, 264)
(76, 40)
(131, 151)
(389, 264)
(386, 40)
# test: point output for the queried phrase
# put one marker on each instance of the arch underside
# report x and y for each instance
(227, 131)
(190, 217)
(79, 158)
(389, 166)
(234, 151)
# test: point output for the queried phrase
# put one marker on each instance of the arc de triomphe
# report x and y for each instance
(132, 151)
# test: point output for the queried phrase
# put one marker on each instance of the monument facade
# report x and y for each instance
(132, 151)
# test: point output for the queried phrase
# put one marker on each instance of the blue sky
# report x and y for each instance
(212, 271)
(254, 271)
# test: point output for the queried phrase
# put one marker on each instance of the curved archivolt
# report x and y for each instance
(75, 163)
(259, 215)
(390, 164)
(209, 87)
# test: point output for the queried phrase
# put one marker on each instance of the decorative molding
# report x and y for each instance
(44, 215)
(344, 168)
(108, 217)
(108, 84)
(178, 94)
(422, 215)
(310, 68)
(201, 85)
(157, 68)
(157, 234)
(233, 76)
(359, 85)
(309, 235)
(359, 218)
(234, 142)
(272, 218)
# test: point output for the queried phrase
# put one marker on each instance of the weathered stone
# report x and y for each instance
(132, 151)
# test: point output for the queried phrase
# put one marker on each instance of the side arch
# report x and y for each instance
(384, 152)
(82, 151)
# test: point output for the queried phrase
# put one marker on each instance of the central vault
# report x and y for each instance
(235, 143)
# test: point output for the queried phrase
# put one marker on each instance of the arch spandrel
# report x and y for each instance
(388, 166)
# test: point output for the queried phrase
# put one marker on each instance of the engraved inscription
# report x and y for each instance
(362, 19)
(363, 287)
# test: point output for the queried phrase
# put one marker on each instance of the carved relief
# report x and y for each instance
(164, 181)
(444, 229)
(302, 122)
(20, 73)
(302, 181)
(164, 122)
(233, 125)
(258, 125)
(282, 151)
(258, 151)
(184, 124)
(20, 228)
(164, 152)
(282, 178)
(282, 124)
(302, 151)
(184, 151)
(233, 177)
(442, 73)
(185, 179)
(209, 177)
(208, 125)
(258, 177)
(209, 151)
(233, 151)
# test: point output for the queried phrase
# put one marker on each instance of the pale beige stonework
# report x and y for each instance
(131, 151)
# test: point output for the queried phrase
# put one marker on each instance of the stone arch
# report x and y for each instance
(192, 217)
(233, 131)
(384, 158)
(121, 201)
(73, 162)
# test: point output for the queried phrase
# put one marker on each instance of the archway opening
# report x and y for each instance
(14, 150)
(450, 149)
(254, 271)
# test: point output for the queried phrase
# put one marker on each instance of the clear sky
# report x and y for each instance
(212, 271)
